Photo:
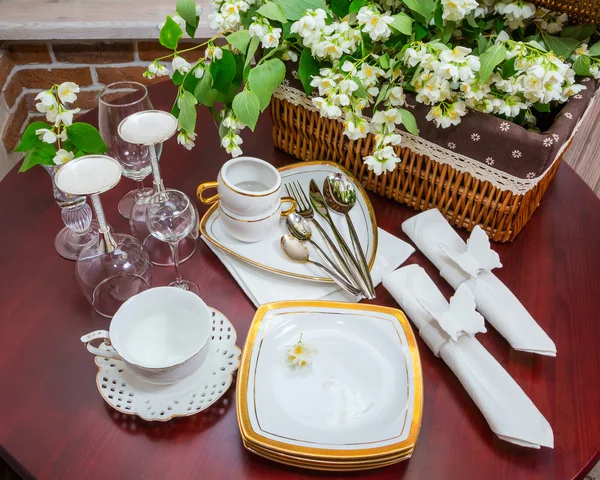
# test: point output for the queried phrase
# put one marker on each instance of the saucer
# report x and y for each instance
(130, 394)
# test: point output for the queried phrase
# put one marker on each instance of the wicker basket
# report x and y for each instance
(464, 189)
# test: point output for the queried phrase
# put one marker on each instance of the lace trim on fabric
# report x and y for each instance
(481, 171)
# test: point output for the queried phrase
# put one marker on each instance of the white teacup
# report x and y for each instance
(162, 334)
(246, 187)
(252, 229)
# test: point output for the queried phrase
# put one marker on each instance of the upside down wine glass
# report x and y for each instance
(116, 102)
(151, 128)
(114, 267)
(171, 216)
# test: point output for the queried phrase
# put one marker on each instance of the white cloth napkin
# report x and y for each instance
(265, 287)
(507, 409)
(470, 265)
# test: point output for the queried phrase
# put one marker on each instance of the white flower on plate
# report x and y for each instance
(548, 141)
(181, 65)
(67, 92)
(373, 23)
(62, 156)
(489, 161)
(475, 137)
(516, 154)
(569, 115)
(45, 135)
(65, 117)
(505, 126)
(530, 175)
(300, 354)
(451, 145)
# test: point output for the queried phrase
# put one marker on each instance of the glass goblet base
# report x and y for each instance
(187, 285)
(160, 252)
(68, 244)
(127, 202)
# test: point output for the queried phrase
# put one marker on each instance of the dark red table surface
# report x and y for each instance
(54, 423)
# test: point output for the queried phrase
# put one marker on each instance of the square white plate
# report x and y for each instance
(361, 397)
(267, 253)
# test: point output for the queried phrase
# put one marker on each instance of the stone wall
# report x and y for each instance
(28, 68)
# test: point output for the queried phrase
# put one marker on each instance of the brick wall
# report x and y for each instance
(28, 68)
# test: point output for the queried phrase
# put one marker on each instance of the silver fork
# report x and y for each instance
(305, 209)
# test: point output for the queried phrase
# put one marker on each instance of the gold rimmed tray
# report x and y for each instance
(267, 253)
(361, 399)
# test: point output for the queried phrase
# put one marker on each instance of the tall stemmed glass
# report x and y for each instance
(113, 267)
(170, 217)
(149, 128)
(116, 102)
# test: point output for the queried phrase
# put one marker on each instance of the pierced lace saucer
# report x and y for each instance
(128, 393)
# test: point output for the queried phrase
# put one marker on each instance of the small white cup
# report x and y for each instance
(251, 229)
(162, 334)
(246, 187)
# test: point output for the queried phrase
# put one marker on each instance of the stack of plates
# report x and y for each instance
(357, 406)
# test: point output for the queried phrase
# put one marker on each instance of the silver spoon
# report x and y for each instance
(295, 250)
(300, 228)
(340, 196)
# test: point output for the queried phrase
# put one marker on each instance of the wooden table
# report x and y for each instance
(54, 424)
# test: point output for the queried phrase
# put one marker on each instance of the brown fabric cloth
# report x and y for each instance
(499, 143)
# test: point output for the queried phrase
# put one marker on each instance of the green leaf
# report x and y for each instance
(308, 66)
(594, 50)
(294, 9)
(420, 32)
(86, 138)
(265, 78)
(580, 32)
(251, 50)
(403, 23)
(187, 10)
(41, 155)
(272, 11)
(29, 139)
(384, 61)
(542, 107)
(361, 92)
(204, 92)
(356, 5)
(508, 69)
(177, 77)
(490, 59)
(423, 8)
(187, 115)
(561, 46)
(190, 30)
(340, 7)
(448, 31)
(438, 19)
(482, 44)
(382, 95)
(470, 18)
(246, 107)
(409, 122)
(239, 40)
(582, 66)
(223, 72)
(170, 34)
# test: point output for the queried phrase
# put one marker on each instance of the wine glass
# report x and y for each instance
(113, 267)
(171, 216)
(115, 102)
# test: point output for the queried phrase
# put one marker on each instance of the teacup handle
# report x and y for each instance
(103, 334)
(206, 186)
(285, 213)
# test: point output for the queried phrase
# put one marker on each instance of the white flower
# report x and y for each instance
(65, 116)
(396, 97)
(489, 161)
(516, 154)
(451, 145)
(301, 355)
(383, 160)
(179, 21)
(311, 22)
(186, 139)
(374, 24)
(356, 128)
(45, 135)
(47, 105)
(66, 92)
(548, 142)
(62, 156)
(214, 53)
(199, 72)
(231, 142)
(456, 10)
(198, 10)
(271, 39)
(446, 115)
(291, 56)
(505, 126)
(156, 69)
(531, 175)
(389, 118)
(46, 99)
(258, 28)
(515, 12)
(475, 137)
(181, 65)
(327, 108)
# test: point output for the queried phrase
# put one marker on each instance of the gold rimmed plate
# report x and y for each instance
(267, 253)
(359, 400)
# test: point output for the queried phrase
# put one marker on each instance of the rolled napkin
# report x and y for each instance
(471, 264)
(265, 287)
(448, 331)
